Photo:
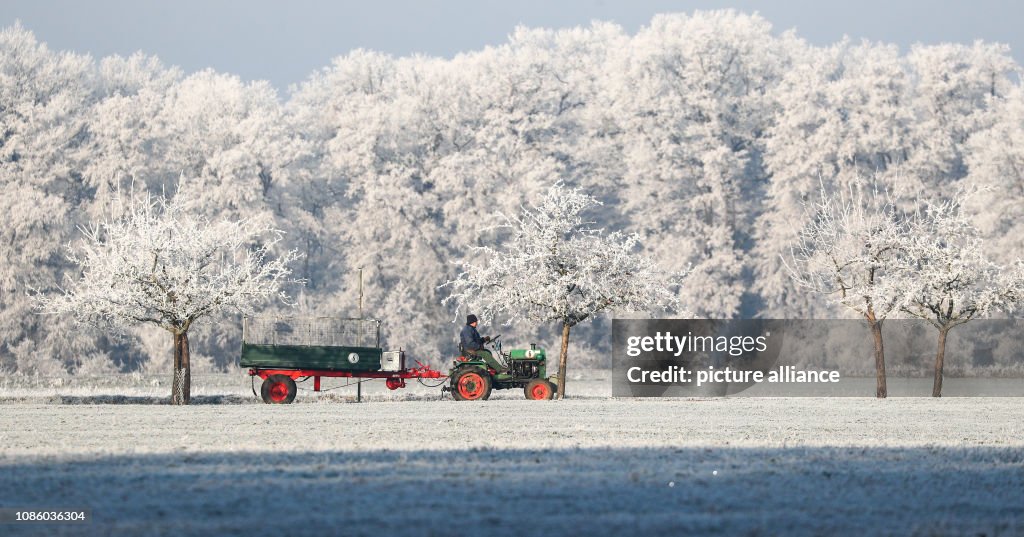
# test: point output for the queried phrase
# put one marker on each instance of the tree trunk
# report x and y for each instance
(940, 355)
(876, 332)
(181, 385)
(561, 360)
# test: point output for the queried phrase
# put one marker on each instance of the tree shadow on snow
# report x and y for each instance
(598, 491)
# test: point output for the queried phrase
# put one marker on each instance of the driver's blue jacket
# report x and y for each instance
(470, 339)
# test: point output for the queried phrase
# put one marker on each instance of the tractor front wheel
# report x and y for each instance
(471, 384)
(278, 390)
(539, 390)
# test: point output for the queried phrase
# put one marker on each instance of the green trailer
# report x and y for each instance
(281, 350)
(311, 343)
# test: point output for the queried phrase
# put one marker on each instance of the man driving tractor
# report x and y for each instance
(471, 344)
(477, 370)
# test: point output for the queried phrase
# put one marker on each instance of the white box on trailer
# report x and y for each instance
(392, 361)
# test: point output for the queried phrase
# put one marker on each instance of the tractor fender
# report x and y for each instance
(467, 363)
(479, 366)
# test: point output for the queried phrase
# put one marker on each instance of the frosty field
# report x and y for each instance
(591, 465)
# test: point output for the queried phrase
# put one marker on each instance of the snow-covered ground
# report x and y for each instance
(592, 465)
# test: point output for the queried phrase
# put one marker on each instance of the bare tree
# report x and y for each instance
(950, 280)
(851, 249)
(555, 267)
(158, 264)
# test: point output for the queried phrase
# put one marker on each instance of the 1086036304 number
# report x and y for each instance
(21, 515)
(56, 516)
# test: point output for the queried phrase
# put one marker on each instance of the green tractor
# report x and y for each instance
(473, 378)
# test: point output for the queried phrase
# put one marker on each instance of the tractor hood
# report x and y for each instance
(527, 354)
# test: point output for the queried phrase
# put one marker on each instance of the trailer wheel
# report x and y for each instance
(278, 390)
(539, 390)
(471, 384)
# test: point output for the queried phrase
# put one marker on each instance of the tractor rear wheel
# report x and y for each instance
(539, 390)
(278, 390)
(471, 384)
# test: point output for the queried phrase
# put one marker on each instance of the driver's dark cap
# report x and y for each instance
(470, 319)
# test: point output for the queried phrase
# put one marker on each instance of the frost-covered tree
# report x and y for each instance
(383, 127)
(158, 264)
(230, 141)
(691, 100)
(556, 267)
(955, 88)
(232, 154)
(424, 151)
(949, 279)
(852, 251)
(44, 99)
(852, 110)
(126, 138)
(843, 115)
(995, 158)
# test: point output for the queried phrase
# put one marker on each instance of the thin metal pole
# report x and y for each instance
(359, 386)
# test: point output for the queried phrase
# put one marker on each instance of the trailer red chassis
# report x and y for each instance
(279, 384)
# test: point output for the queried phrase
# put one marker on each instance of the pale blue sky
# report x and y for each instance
(285, 41)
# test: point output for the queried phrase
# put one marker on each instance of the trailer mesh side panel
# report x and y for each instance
(312, 331)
